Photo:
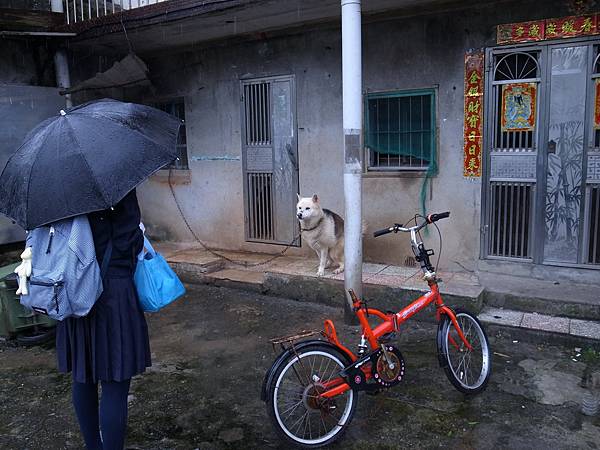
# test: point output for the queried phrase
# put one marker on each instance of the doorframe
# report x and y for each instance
(243, 81)
(537, 240)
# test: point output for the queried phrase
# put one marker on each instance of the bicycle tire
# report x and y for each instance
(454, 365)
(279, 388)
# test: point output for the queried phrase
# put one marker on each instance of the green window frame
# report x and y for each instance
(400, 130)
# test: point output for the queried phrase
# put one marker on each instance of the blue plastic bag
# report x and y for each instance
(156, 283)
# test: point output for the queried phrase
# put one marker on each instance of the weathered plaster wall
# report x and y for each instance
(26, 98)
(398, 54)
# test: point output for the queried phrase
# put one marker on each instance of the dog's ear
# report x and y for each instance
(299, 198)
(315, 198)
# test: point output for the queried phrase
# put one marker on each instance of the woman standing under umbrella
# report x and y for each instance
(89, 160)
(109, 345)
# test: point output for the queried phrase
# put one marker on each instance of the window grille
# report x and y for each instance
(260, 206)
(176, 108)
(258, 113)
(400, 130)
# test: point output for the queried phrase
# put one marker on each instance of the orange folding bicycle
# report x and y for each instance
(311, 389)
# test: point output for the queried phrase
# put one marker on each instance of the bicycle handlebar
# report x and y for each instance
(435, 217)
(399, 227)
(387, 230)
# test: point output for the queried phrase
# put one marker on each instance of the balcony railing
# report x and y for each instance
(80, 10)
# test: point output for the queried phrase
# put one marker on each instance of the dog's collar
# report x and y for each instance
(310, 229)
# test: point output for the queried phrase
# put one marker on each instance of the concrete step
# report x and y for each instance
(566, 299)
(507, 305)
(539, 328)
(383, 296)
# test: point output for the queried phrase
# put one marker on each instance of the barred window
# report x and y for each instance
(400, 130)
(176, 107)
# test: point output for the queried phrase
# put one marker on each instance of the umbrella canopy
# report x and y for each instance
(85, 159)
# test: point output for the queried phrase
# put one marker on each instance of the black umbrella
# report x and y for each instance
(85, 159)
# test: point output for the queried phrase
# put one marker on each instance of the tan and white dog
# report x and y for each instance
(324, 232)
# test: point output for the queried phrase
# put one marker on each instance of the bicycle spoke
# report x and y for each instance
(298, 422)
(325, 370)
(293, 409)
(305, 422)
(320, 366)
(323, 422)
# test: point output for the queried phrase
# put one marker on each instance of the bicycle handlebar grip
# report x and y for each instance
(435, 217)
(382, 232)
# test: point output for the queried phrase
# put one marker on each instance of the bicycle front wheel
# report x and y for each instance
(298, 412)
(468, 370)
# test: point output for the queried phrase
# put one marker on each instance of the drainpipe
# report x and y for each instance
(61, 61)
(352, 123)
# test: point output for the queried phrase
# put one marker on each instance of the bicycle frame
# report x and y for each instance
(390, 323)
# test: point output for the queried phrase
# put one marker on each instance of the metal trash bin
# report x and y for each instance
(16, 321)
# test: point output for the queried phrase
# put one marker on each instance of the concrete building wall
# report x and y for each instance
(26, 98)
(400, 53)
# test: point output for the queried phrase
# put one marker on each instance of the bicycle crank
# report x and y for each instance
(387, 366)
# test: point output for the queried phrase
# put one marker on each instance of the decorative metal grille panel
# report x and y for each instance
(257, 101)
(593, 169)
(510, 219)
(513, 165)
(260, 206)
(259, 159)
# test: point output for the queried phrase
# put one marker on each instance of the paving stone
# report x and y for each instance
(465, 278)
(373, 268)
(466, 290)
(501, 316)
(386, 280)
(445, 276)
(406, 272)
(546, 323)
(585, 328)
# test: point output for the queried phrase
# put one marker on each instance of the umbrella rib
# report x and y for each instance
(30, 172)
(108, 204)
(101, 117)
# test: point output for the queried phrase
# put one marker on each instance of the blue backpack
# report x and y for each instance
(66, 279)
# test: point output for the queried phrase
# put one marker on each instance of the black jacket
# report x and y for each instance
(121, 224)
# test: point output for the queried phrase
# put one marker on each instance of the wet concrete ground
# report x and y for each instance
(211, 351)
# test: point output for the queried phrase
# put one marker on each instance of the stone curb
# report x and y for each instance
(329, 291)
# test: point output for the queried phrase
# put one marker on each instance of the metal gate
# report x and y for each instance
(269, 151)
(542, 178)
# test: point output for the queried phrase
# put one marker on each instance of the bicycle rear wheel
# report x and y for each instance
(299, 414)
(468, 370)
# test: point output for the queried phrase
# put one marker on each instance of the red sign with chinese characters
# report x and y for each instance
(539, 30)
(597, 105)
(473, 130)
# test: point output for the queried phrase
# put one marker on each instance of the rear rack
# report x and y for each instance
(294, 337)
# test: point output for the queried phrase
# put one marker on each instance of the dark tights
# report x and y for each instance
(111, 417)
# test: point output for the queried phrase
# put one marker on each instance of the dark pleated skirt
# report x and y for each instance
(111, 342)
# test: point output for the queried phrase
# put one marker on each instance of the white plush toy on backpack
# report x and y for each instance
(23, 271)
